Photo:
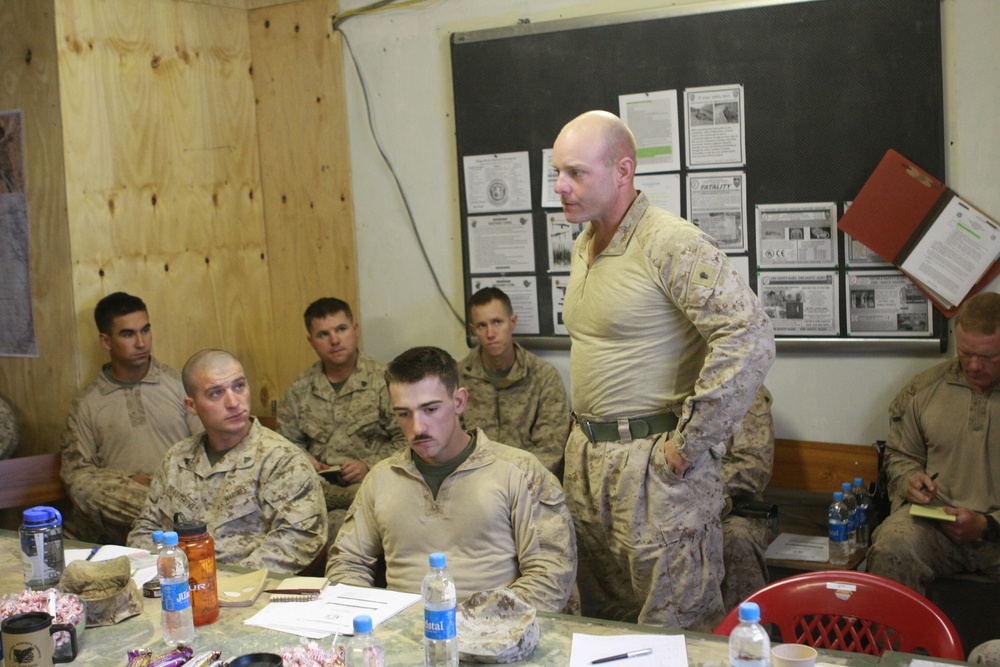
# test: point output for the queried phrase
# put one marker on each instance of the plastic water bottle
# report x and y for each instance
(851, 503)
(157, 543)
(440, 631)
(749, 645)
(175, 593)
(840, 548)
(861, 515)
(42, 557)
(364, 649)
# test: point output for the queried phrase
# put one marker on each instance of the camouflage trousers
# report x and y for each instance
(744, 545)
(650, 543)
(915, 551)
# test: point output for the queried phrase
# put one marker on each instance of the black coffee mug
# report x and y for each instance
(28, 641)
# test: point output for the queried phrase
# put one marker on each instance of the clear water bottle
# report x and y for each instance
(861, 515)
(175, 593)
(157, 543)
(840, 548)
(749, 645)
(851, 503)
(364, 649)
(440, 631)
(42, 556)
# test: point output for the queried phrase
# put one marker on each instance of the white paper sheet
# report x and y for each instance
(333, 611)
(668, 650)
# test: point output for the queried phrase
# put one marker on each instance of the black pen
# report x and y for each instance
(623, 656)
(924, 486)
(93, 552)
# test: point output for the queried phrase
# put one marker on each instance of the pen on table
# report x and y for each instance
(623, 656)
(294, 591)
(93, 552)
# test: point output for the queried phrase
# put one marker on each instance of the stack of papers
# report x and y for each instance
(663, 650)
(333, 612)
(789, 546)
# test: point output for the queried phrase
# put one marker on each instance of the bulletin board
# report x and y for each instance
(828, 85)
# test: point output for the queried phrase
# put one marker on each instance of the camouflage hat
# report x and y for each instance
(106, 586)
(496, 626)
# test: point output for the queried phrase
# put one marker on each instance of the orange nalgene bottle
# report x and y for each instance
(199, 547)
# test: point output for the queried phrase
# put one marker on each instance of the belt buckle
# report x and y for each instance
(588, 428)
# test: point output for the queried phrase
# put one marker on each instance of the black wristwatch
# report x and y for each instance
(992, 532)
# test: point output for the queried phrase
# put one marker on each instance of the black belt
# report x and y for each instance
(627, 429)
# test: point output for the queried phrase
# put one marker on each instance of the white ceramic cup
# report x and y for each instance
(793, 655)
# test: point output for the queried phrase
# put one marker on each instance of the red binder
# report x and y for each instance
(896, 206)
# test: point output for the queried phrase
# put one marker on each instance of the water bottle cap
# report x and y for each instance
(438, 560)
(189, 527)
(749, 612)
(859, 481)
(846, 486)
(42, 516)
(838, 495)
(362, 624)
(170, 539)
(157, 535)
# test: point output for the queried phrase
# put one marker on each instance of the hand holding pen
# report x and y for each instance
(922, 488)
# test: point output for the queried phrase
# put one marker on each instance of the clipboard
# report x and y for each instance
(895, 208)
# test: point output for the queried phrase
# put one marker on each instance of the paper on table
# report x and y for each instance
(789, 546)
(668, 650)
(333, 611)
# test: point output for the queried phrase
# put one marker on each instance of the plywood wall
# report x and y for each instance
(302, 135)
(40, 389)
(171, 157)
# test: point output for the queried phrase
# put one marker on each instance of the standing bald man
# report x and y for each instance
(669, 349)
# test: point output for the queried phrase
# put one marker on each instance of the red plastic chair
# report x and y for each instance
(853, 611)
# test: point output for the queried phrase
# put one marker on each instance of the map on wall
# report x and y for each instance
(17, 327)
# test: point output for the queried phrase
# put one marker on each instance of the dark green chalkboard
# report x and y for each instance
(829, 85)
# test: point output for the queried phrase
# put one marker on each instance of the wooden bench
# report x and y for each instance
(29, 481)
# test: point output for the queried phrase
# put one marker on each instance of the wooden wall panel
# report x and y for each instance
(163, 177)
(42, 388)
(302, 130)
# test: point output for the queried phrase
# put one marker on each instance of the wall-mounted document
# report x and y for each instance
(947, 247)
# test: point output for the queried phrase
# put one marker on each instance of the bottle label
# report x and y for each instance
(176, 597)
(838, 532)
(861, 517)
(439, 624)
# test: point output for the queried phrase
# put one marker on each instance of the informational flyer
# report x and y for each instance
(561, 235)
(716, 126)
(797, 235)
(886, 303)
(549, 177)
(497, 182)
(803, 303)
(717, 204)
(559, 284)
(501, 243)
(652, 117)
(523, 298)
(663, 190)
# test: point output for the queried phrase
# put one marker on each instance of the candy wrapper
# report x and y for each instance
(143, 657)
(63, 607)
(311, 655)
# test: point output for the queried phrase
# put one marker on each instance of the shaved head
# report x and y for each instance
(205, 360)
(605, 130)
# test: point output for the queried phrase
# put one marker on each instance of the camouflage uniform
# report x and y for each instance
(8, 430)
(939, 424)
(262, 501)
(746, 470)
(527, 408)
(660, 321)
(115, 430)
(500, 517)
(356, 424)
